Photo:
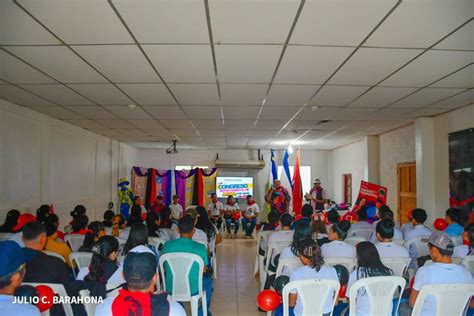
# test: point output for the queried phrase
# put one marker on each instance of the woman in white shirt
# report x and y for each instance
(467, 249)
(338, 248)
(302, 232)
(368, 265)
(232, 215)
(385, 247)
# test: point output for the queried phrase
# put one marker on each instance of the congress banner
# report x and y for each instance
(372, 193)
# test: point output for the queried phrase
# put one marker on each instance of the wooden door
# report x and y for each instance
(347, 187)
(406, 173)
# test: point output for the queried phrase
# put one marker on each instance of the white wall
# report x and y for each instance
(44, 161)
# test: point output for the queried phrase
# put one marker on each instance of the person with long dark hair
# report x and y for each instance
(138, 240)
(108, 216)
(337, 247)
(318, 228)
(42, 213)
(10, 221)
(79, 225)
(103, 264)
(135, 215)
(385, 246)
(165, 218)
(368, 265)
(95, 230)
(153, 225)
(205, 224)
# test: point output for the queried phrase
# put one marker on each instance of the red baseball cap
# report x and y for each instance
(22, 220)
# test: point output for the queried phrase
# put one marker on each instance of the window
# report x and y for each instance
(188, 167)
(461, 169)
(305, 172)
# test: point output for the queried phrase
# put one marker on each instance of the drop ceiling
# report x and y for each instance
(237, 74)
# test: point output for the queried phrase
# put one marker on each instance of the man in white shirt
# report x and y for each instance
(386, 214)
(442, 271)
(283, 235)
(176, 209)
(215, 209)
(385, 247)
(361, 224)
(418, 217)
(250, 213)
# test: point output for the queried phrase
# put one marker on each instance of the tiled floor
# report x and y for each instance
(236, 289)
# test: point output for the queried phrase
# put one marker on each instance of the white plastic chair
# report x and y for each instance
(273, 249)
(156, 242)
(457, 241)
(180, 264)
(259, 266)
(397, 265)
(81, 259)
(313, 294)
(421, 244)
(361, 232)
(468, 263)
(349, 263)
(54, 254)
(74, 241)
(399, 242)
(60, 291)
(89, 307)
(5, 236)
(290, 263)
(451, 299)
(380, 291)
(354, 240)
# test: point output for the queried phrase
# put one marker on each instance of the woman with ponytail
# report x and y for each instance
(386, 247)
(368, 265)
(10, 221)
(467, 249)
(95, 230)
(313, 267)
(337, 247)
(103, 264)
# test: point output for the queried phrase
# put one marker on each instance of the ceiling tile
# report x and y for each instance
(270, 124)
(115, 124)
(145, 17)
(239, 132)
(88, 124)
(290, 95)
(214, 139)
(124, 111)
(107, 132)
(461, 79)
(146, 124)
(258, 141)
(16, 71)
(332, 25)
(416, 23)
(157, 132)
(57, 112)
(184, 132)
(277, 113)
(177, 124)
(243, 94)
(455, 101)
(354, 114)
(119, 63)
(18, 28)
(208, 124)
(92, 111)
(165, 112)
(241, 112)
(391, 113)
(310, 65)
(183, 63)
(425, 97)
(263, 133)
(206, 133)
(318, 114)
(246, 63)
(265, 21)
(102, 93)
(337, 95)
(96, 20)
(19, 96)
(203, 112)
(301, 125)
(314, 134)
(58, 93)
(58, 62)
(381, 96)
(237, 141)
(461, 39)
(369, 65)
(425, 112)
(195, 94)
(429, 67)
(136, 138)
(148, 93)
(132, 132)
(239, 124)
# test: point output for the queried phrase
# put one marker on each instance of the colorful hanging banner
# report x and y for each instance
(208, 184)
(139, 181)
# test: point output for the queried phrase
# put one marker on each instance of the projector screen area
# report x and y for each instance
(238, 187)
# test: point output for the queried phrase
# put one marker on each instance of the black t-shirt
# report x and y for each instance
(46, 269)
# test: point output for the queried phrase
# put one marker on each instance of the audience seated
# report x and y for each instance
(272, 222)
(232, 215)
(108, 216)
(138, 241)
(165, 219)
(408, 226)
(153, 224)
(368, 265)
(10, 221)
(12, 270)
(456, 219)
(198, 235)
(337, 247)
(55, 246)
(333, 218)
(204, 224)
(418, 218)
(466, 249)
(95, 230)
(362, 220)
(139, 271)
(186, 244)
(79, 225)
(24, 219)
(306, 213)
(318, 229)
(118, 226)
(76, 212)
(42, 213)
(385, 247)
(54, 219)
(302, 232)
(250, 212)
(176, 210)
(103, 264)
(285, 234)
(157, 206)
(135, 215)
(386, 214)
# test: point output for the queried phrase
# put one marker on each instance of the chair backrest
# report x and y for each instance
(380, 291)
(89, 307)
(451, 299)
(468, 263)
(313, 294)
(354, 240)
(54, 254)
(421, 244)
(74, 241)
(397, 265)
(180, 264)
(81, 259)
(58, 290)
(273, 249)
(290, 263)
(263, 235)
(156, 242)
(361, 232)
(121, 241)
(349, 263)
(5, 236)
(399, 242)
(457, 240)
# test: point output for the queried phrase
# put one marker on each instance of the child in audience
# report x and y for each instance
(313, 268)
(104, 260)
(456, 219)
(368, 265)
(338, 248)
(468, 243)
(232, 215)
(176, 209)
(24, 219)
(108, 216)
(138, 241)
(55, 246)
(442, 271)
(318, 228)
(10, 221)
(385, 246)
(95, 230)
(79, 225)
(54, 219)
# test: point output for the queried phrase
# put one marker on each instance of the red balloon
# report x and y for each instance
(440, 224)
(45, 294)
(268, 300)
(342, 291)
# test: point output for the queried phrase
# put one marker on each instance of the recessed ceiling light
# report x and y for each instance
(132, 107)
(315, 107)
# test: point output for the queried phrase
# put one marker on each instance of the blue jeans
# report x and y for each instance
(249, 225)
(206, 286)
(279, 311)
(230, 221)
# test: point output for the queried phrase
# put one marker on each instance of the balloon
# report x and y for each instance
(280, 283)
(268, 300)
(440, 224)
(342, 274)
(45, 294)
(371, 212)
(342, 291)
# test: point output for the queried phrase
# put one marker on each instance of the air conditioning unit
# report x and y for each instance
(232, 164)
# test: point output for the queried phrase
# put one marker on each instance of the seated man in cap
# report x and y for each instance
(139, 271)
(12, 270)
(22, 221)
(186, 244)
(442, 271)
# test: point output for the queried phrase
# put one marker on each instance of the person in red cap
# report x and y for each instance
(22, 221)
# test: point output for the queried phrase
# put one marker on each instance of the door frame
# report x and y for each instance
(399, 165)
